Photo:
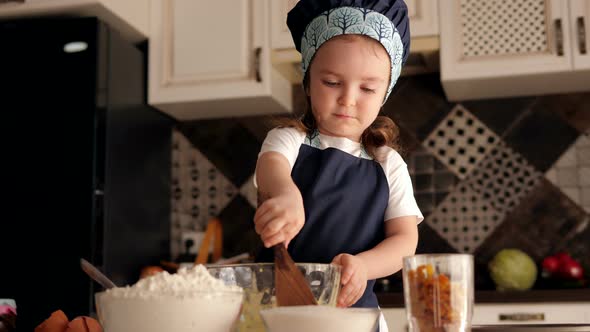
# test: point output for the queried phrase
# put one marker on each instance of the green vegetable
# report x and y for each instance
(512, 269)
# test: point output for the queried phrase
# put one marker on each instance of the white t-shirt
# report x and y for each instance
(402, 202)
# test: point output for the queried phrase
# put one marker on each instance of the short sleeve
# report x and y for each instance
(402, 201)
(285, 141)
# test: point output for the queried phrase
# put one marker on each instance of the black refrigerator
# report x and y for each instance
(86, 164)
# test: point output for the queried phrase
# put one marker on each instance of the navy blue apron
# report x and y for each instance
(345, 198)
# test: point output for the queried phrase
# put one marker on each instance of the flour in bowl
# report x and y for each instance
(184, 283)
(189, 300)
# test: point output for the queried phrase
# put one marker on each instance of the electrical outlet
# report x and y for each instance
(197, 238)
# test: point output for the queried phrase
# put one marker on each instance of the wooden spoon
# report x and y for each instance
(291, 288)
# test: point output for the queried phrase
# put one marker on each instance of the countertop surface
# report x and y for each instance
(396, 300)
(532, 328)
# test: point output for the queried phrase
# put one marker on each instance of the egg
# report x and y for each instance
(84, 324)
(57, 322)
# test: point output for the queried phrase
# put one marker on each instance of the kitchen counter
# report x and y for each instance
(396, 300)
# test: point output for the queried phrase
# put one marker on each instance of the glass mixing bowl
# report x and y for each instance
(257, 280)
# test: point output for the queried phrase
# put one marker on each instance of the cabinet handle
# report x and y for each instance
(558, 37)
(581, 35)
(257, 53)
(522, 317)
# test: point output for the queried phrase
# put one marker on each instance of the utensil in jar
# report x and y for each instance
(96, 275)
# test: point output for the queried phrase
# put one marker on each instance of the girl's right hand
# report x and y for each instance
(280, 218)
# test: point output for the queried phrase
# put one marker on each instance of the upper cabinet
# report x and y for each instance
(513, 48)
(211, 59)
(423, 16)
(423, 20)
(580, 19)
(130, 18)
(281, 36)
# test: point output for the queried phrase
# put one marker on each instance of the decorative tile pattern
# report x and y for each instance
(499, 114)
(200, 191)
(545, 222)
(424, 94)
(239, 235)
(229, 146)
(541, 136)
(249, 192)
(503, 178)
(572, 107)
(571, 173)
(461, 141)
(464, 219)
(431, 179)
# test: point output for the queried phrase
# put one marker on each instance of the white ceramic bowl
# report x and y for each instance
(198, 312)
(320, 319)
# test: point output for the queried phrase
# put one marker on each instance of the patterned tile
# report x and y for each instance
(239, 235)
(545, 222)
(499, 114)
(431, 241)
(249, 192)
(503, 178)
(431, 180)
(257, 125)
(541, 136)
(571, 172)
(464, 219)
(229, 146)
(572, 107)
(412, 93)
(200, 191)
(461, 141)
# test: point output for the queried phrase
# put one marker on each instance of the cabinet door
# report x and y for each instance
(423, 17)
(579, 22)
(281, 36)
(531, 313)
(205, 41)
(504, 38)
(212, 59)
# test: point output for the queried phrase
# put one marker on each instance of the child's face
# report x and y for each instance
(348, 80)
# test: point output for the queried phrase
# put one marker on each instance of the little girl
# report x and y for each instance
(332, 186)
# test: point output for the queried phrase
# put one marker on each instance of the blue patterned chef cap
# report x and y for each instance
(313, 22)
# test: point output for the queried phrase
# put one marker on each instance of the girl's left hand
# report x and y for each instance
(353, 279)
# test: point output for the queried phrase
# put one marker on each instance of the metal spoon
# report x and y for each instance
(96, 275)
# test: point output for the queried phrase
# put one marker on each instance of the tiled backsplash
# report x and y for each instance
(487, 174)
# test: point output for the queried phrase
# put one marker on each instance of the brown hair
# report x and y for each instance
(382, 132)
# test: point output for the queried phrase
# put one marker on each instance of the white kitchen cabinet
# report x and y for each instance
(509, 314)
(211, 59)
(281, 36)
(130, 18)
(423, 16)
(512, 48)
(580, 16)
(532, 313)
